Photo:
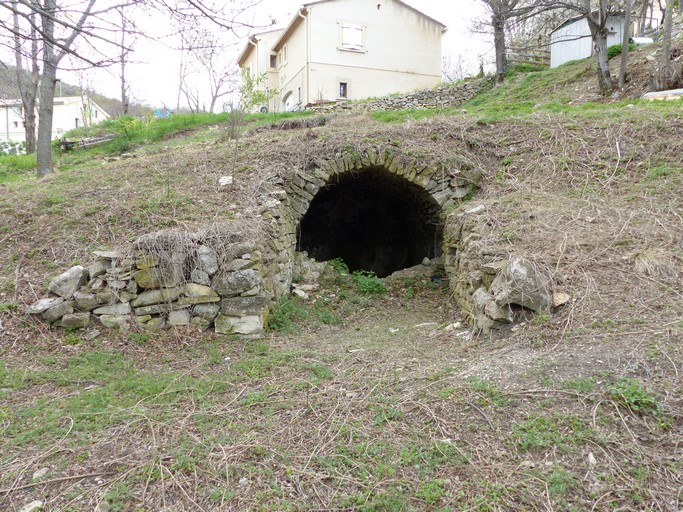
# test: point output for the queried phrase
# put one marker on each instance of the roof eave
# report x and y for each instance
(296, 21)
(248, 48)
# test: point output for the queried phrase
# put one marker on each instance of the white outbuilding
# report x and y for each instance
(572, 40)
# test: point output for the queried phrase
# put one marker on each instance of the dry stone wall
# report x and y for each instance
(491, 285)
(441, 97)
(227, 277)
(168, 279)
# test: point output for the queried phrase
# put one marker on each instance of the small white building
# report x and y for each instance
(572, 40)
(336, 50)
(69, 113)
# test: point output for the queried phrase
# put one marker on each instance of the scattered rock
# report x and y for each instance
(560, 299)
(91, 335)
(32, 507)
(40, 474)
(300, 293)
(76, 320)
(66, 284)
(44, 304)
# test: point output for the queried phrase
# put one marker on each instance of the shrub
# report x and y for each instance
(615, 50)
(368, 283)
(283, 314)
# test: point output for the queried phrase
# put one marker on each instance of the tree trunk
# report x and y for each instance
(624, 44)
(642, 18)
(605, 84)
(30, 127)
(28, 89)
(666, 36)
(45, 113)
(123, 61)
(498, 21)
(47, 91)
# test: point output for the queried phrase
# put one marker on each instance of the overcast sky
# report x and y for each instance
(154, 74)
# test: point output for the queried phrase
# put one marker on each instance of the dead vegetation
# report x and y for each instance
(371, 402)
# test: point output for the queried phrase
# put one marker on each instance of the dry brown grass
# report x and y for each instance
(579, 410)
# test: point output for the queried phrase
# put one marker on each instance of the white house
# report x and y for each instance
(335, 50)
(572, 39)
(69, 113)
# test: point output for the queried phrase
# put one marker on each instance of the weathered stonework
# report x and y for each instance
(445, 96)
(489, 284)
(227, 277)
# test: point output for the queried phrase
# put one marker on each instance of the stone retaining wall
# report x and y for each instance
(441, 97)
(217, 279)
(491, 285)
(227, 278)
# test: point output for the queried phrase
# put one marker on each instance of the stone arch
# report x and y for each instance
(376, 209)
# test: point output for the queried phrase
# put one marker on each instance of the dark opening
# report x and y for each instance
(374, 221)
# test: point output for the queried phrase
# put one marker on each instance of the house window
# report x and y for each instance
(299, 94)
(283, 56)
(76, 122)
(16, 124)
(273, 61)
(351, 36)
(343, 90)
(95, 114)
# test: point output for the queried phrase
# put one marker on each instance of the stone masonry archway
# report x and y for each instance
(374, 221)
(376, 209)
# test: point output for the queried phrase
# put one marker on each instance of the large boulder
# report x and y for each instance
(66, 284)
(522, 283)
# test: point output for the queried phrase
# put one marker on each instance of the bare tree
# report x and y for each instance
(220, 72)
(453, 69)
(59, 24)
(502, 13)
(27, 79)
(666, 35)
(597, 15)
(127, 30)
(624, 43)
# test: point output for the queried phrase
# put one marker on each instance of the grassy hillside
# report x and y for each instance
(113, 106)
(359, 400)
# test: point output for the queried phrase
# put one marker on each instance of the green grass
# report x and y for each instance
(565, 432)
(401, 116)
(16, 167)
(632, 394)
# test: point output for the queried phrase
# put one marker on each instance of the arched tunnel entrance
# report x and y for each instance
(374, 221)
